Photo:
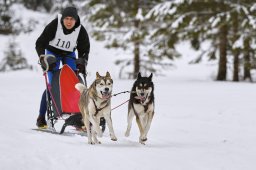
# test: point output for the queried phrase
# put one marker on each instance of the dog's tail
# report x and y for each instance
(80, 87)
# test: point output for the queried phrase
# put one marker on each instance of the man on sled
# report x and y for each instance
(57, 44)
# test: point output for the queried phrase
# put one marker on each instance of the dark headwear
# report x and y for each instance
(70, 12)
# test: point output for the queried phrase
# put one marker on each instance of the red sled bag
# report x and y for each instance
(65, 94)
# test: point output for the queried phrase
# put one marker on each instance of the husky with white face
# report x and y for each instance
(141, 105)
(95, 103)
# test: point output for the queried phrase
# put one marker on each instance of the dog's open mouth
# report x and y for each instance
(105, 95)
(141, 98)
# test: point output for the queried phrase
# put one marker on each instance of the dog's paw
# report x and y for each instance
(143, 139)
(91, 142)
(127, 134)
(113, 138)
(142, 142)
(98, 142)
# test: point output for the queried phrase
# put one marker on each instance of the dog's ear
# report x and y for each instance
(97, 75)
(108, 75)
(139, 75)
(150, 77)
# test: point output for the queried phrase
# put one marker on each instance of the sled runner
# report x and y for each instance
(73, 133)
(62, 98)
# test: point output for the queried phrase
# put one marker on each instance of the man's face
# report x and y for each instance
(69, 22)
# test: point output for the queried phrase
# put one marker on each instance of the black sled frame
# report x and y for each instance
(74, 120)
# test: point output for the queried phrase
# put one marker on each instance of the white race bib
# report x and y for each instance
(65, 42)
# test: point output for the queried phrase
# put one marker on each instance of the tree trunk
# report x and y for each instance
(136, 42)
(222, 70)
(235, 52)
(247, 68)
(247, 61)
(136, 59)
(236, 66)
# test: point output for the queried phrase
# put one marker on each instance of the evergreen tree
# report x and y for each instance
(213, 21)
(122, 24)
(164, 34)
(13, 59)
(5, 17)
(37, 5)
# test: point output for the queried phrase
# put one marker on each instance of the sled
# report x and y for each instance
(63, 99)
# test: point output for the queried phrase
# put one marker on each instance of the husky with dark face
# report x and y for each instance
(95, 103)
(141, 105)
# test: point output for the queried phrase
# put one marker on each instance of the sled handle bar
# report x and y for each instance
(45, 56)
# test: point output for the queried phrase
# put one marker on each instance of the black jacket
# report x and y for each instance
(83, 43)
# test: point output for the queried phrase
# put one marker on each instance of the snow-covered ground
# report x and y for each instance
(199, 124)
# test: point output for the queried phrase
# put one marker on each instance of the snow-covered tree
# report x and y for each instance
(5, 17)
(122, 24)
(13, 59)
(222, 23)
(37, 5)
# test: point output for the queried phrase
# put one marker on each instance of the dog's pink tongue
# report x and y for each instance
(105, 96)
(141, 98)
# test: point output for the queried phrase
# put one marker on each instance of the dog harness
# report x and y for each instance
(98, 109)
(65, 42)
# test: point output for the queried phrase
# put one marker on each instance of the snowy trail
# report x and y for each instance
(197, 125)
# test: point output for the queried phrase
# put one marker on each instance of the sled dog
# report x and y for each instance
(141, 105)
(94, 103)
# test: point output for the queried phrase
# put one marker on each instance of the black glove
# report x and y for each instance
(48, 62)
(81, 64)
